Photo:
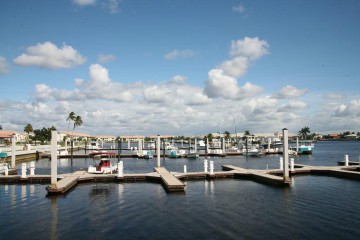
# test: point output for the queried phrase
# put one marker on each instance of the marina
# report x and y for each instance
(236, 184)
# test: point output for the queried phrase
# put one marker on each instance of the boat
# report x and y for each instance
(192, 153)
(105, 165)
(93, 145)
(303, 147)
(148, 155)
(176, 153)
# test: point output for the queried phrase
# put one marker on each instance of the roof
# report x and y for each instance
(6, 134)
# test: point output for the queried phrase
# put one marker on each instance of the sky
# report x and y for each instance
(180, 67)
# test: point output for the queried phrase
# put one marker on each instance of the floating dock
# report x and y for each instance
(172, 181)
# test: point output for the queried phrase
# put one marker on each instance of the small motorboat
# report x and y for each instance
(102, 163)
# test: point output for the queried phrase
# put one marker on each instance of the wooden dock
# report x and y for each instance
(170, 182)
(65, 184)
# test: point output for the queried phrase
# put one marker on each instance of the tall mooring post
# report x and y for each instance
(13, 150)
(286, 155)
(54, 154)
(119, 149)
(158, 151)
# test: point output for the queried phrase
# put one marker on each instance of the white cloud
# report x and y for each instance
(4, 68)
(112, 6)
(103, 58)
(289, 92)
(84, 2)
(175, 54)
(251, 48)
(222, 81)
(350, 110)
(48, 55)
(239, 8)
(292, 105)
(334, 96)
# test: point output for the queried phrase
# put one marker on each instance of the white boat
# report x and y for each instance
(93, 145)
(148, 155)
(303, 147)
(176, 153)
(192, 153)
(102, 163)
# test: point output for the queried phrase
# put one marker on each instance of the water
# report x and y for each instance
(314, 207)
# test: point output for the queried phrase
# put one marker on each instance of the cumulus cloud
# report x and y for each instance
(104, 58)
(48, 55)
(289, 92)
(175, 54)
(222, 81)
(84, 2)
(292, 105)
(4, 68)
(350, 110)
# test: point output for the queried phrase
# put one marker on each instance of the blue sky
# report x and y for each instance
(180, 67)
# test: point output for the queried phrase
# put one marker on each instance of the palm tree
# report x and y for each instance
(28, 129)
(77, 122)
(303, 133)
(227, 135)
(70, 118)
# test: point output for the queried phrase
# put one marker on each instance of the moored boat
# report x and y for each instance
(104, 166)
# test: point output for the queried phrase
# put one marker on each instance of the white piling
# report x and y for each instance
(205, 165)
(346, 160)
(292, 165)
(32, 168)
(195, 145)
(286, 155)
(13, 150)
(120, 169)
(140, 153)
(223, 145)
(281, 162)
(185, 169)
(128, 143)
(158, 150)
(54, 155)
(23, 170)
(211, 167)
(6, 171)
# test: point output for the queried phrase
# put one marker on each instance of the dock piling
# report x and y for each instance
(286, 155)
(292, 165)
(211, 167)
(185, 169)
(120, 169)
(54, 159)
(32, 168)
(205, 165)
(23, 170)
(281, 162)
(13, 150)
(346, 160)
(6, 171)
(158, 151)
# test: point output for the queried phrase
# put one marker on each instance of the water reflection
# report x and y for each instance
(54, 219)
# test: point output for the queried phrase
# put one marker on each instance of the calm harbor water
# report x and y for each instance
(314, 207)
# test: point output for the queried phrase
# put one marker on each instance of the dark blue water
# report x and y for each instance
(314, 207)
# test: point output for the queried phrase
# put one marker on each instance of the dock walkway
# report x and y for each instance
(170, 182)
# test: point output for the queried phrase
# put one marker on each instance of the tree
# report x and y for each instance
(70, 118)
(227, 135)
(304, 132)
(77, 122)
(43, 135)
(28, 129)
